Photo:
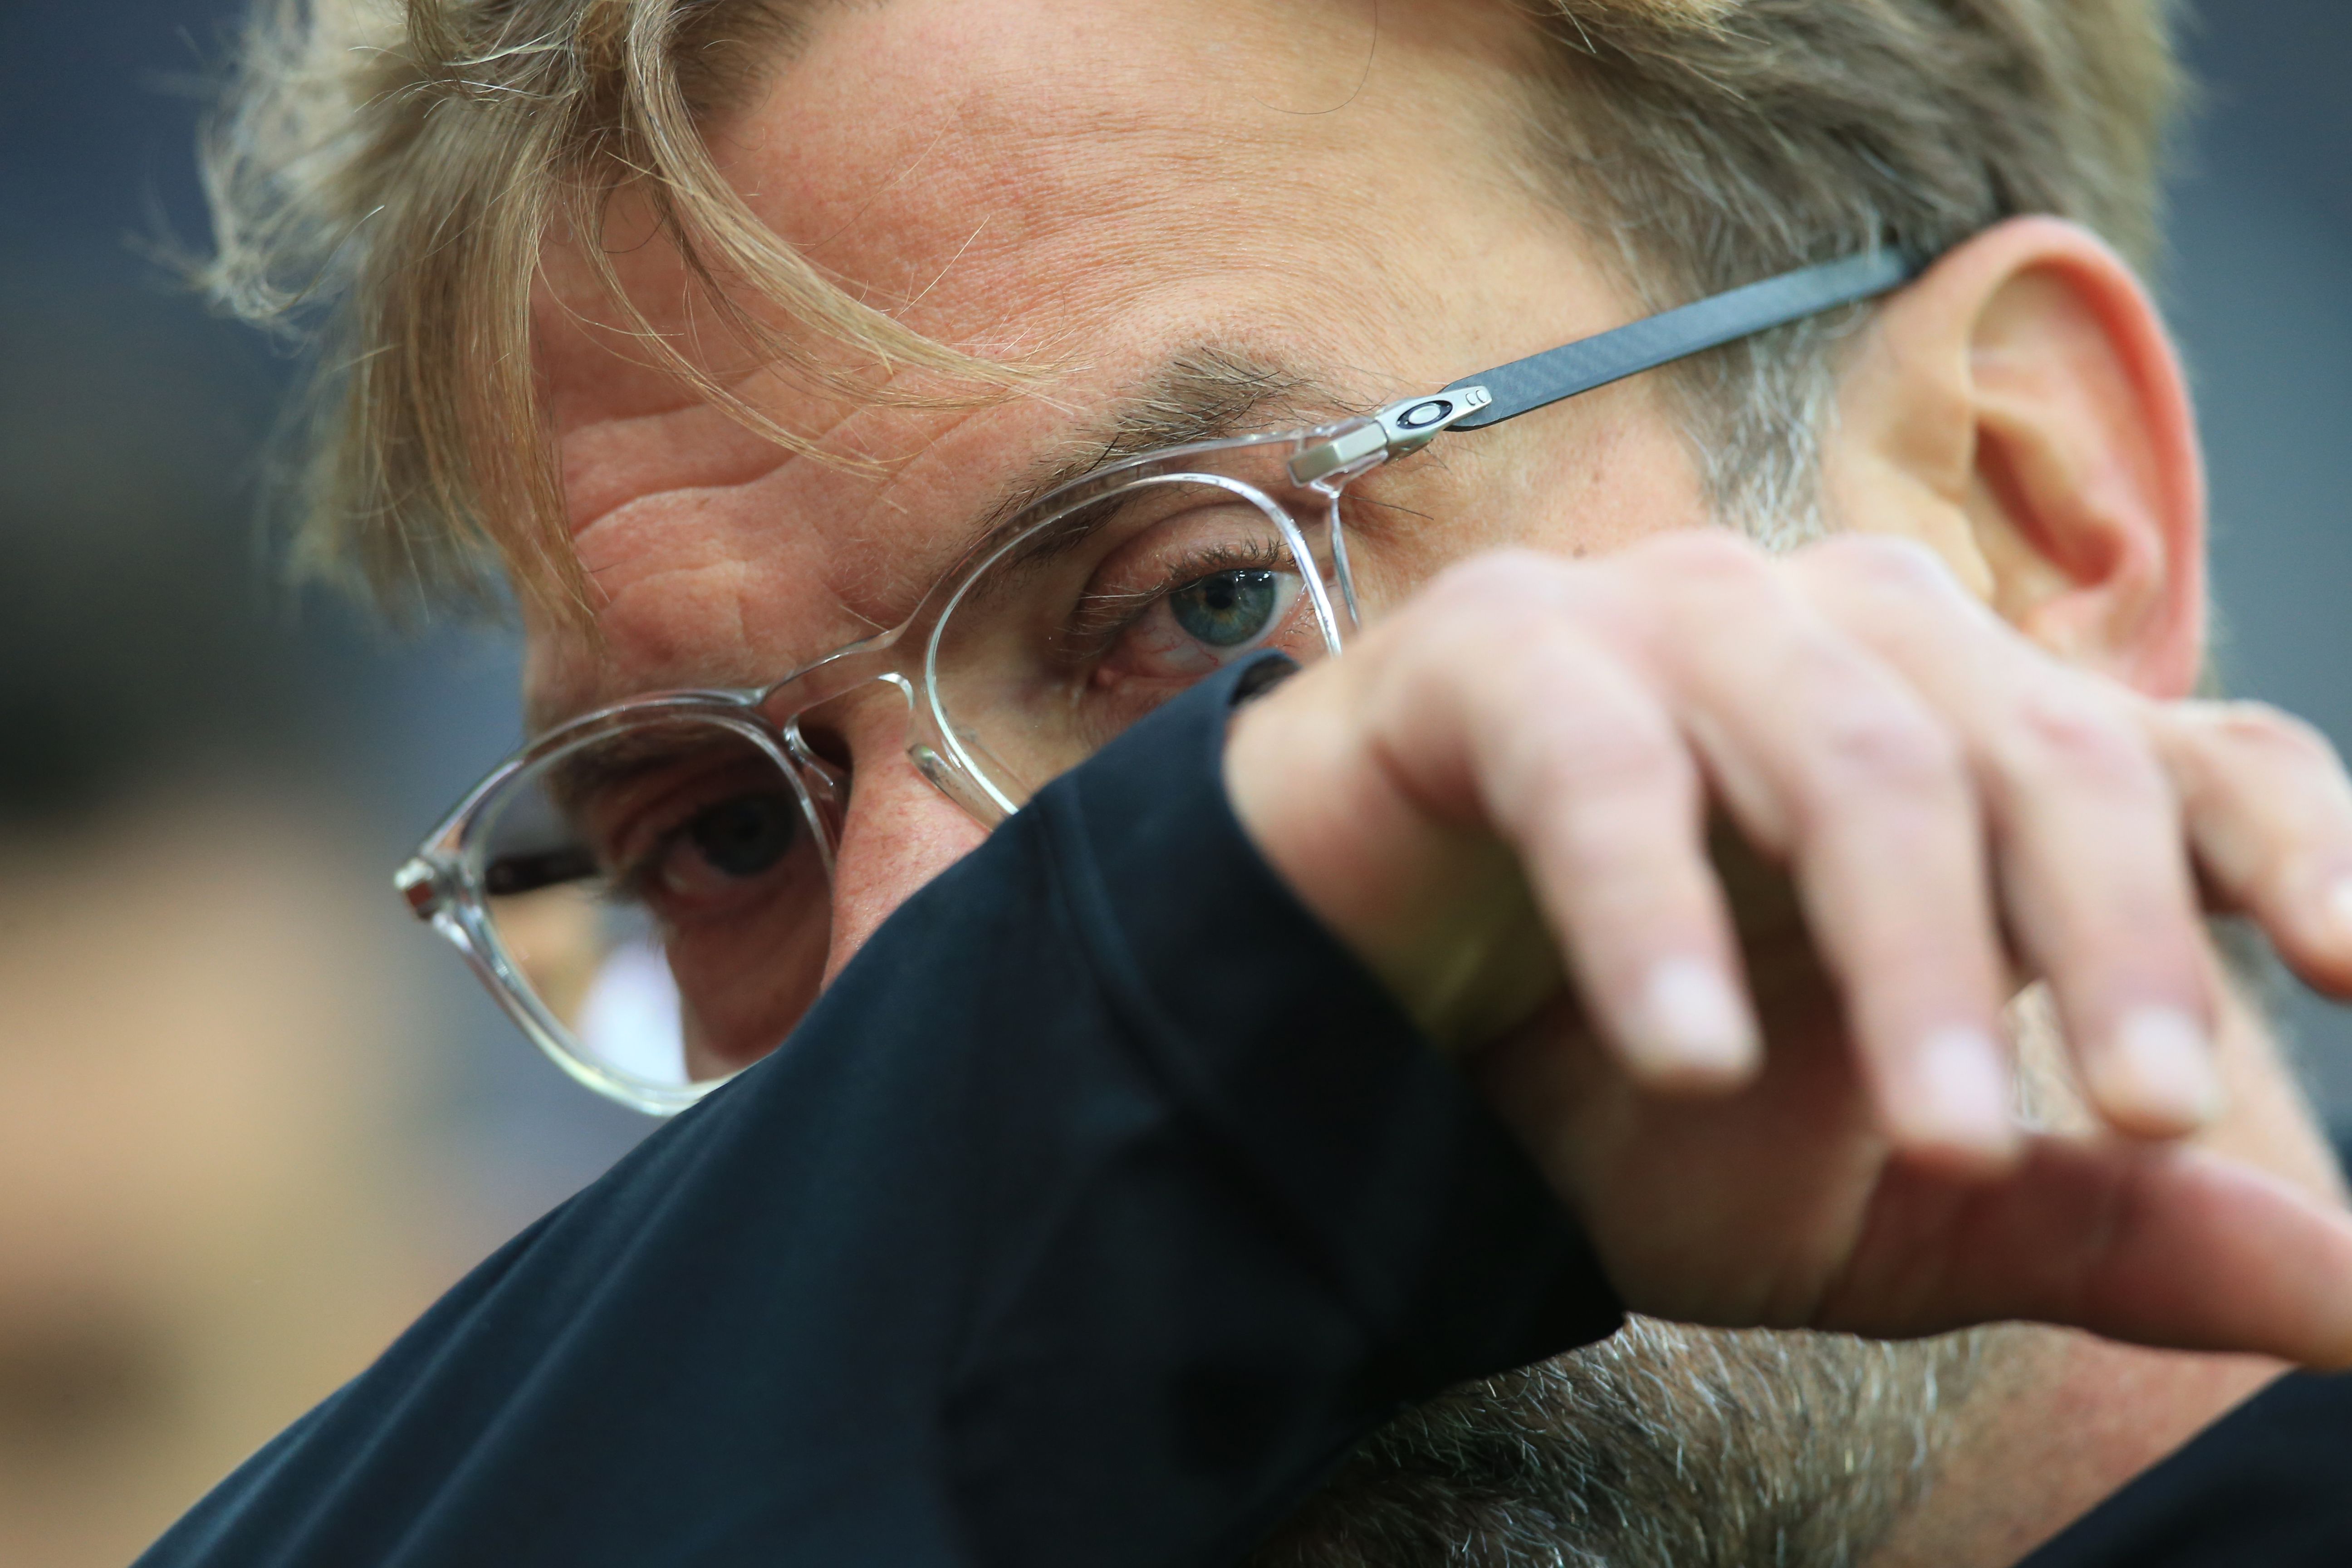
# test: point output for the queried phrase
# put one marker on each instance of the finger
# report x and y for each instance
(2165, 1246)
(1575, 763)
(2269, 813)
(1822, 755)
(2085, 831)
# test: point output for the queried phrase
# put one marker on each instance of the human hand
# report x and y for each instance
(1773, 1086)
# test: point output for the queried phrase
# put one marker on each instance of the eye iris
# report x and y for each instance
(745, 835)
(1226, 608)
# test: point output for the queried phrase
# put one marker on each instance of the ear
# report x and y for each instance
(2019, 408)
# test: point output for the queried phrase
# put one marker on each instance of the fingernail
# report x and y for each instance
(2167, 1064)
(1695, 1022)
(1965, 1075)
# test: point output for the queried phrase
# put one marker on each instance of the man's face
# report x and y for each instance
(1150, 197)
(1335, 202)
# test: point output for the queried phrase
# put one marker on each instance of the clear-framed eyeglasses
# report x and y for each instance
(648, 890)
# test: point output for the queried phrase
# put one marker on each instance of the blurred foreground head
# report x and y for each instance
(204, 1224)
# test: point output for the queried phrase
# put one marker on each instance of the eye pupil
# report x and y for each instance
(745, 835)
(1226, 608)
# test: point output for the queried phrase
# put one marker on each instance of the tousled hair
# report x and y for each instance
(383, 176)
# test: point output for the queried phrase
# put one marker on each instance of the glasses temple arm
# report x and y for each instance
(1529, 384)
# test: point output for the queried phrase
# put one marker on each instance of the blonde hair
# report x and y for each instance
(384, 176)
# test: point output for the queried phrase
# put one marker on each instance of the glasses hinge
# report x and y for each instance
(1394, 431)
(420, 885)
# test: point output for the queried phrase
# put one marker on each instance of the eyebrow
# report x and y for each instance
(1204, 393)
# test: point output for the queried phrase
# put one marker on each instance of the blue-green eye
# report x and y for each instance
(1226, 609)
(745, 835)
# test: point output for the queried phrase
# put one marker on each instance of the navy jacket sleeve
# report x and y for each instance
(1099, 1206)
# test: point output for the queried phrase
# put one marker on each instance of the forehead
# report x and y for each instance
(1323, 188)
(937, 151)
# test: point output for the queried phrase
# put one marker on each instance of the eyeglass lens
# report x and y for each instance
(1097, 617)
(661, 896)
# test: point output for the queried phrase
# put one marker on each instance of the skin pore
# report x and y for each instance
(1123, 188)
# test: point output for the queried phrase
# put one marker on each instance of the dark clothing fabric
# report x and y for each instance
(1100, 1205)
(2267, 1486)
(1098, 1208)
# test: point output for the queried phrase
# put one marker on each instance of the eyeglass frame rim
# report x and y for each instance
(433, 880)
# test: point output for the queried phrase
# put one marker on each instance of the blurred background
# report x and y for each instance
(252, 1118)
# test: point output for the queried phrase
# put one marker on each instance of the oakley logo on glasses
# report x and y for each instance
(1399, 428)
(1423, 414)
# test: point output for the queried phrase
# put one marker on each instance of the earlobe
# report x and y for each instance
(2021, 409)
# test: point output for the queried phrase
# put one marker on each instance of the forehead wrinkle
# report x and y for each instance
(607, 463)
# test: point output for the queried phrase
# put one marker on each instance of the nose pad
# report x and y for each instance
(899, 833)
(825, 742)
(821, 748)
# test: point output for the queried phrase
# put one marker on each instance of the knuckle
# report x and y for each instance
(1865, 732)
(1886, 748)
(2065, 737)
(1884, 564)
(1705, 558)
(1611, 747)
(1585, 724)
(2259, 727)
(1594, 753)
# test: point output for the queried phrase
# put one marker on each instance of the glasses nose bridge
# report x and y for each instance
(854, 716)
(883, 731)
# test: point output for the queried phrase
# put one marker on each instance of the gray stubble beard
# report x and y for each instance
(1663, 1447)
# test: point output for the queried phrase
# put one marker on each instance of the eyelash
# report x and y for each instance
(633, 886)
(1102, 617)
(635, 883)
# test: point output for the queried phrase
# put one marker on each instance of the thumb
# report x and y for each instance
(2157, 1244)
